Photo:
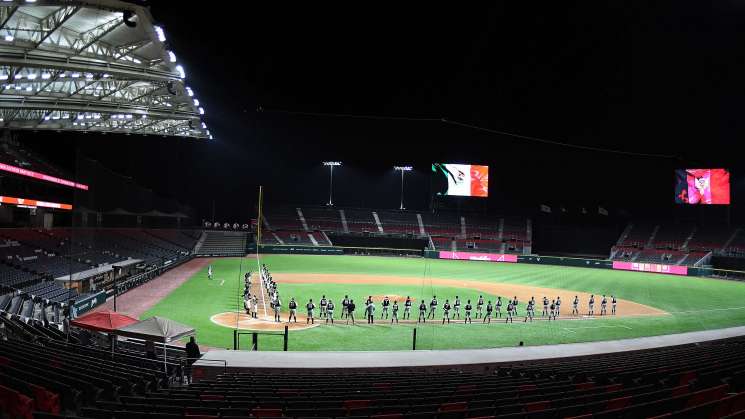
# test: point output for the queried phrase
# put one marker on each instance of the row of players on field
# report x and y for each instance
(483, 310)
(327, 307)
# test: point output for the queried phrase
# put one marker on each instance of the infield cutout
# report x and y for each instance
(625, 308)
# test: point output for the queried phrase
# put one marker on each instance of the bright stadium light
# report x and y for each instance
(160, 33)
(331, 165)
(402, 169)
(172, 56)
(201, 110)
(196, 102)
(9, 38)
(189, 91)
(181, 71)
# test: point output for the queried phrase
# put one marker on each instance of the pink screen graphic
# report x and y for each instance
(487, 257)
(651, 267)
(42, 176)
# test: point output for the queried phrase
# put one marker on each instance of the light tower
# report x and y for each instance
(402, 169)
(331, 165)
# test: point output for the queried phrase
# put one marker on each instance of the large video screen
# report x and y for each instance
(460, 179)
(702, 186)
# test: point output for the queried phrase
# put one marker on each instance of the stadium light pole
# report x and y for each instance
(331, 165)
(402, 169)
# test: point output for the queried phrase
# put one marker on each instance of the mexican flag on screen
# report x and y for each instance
(708, 186)
(467, 179)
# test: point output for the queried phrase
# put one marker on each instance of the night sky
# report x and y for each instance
(664, 79)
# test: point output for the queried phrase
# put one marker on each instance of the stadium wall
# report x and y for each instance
(380, 242)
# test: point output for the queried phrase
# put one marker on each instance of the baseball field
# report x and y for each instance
(649, 304)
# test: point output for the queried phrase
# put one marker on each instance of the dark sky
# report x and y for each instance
(661, 79)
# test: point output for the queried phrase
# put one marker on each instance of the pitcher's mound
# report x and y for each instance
(243, 321)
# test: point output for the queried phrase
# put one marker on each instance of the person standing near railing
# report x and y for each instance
(192, 354)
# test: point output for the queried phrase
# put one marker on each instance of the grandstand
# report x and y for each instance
(41, 372)
(318, 226)
(222, 243)
(674, 244)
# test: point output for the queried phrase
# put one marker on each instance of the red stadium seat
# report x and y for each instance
(453, 407)
(355, 404)
(267, 413)
(618, 403)
(710, 394)
(537, 406)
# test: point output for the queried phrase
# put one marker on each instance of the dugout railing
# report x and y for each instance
(255, 338)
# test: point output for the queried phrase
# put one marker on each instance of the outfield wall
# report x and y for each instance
(488, 257)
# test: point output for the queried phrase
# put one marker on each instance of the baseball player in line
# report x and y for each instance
(575, 306)
(386, 303)
(432, 308)
(292, 305)
(310, 307)
(330, 312)
(489, 310)
(446, 312)
(467, 317)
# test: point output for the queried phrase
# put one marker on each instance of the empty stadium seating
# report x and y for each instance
(737, 245)
(689, 381)
(448, 230)
(18, 156)
(31, 258)
(675, 244)
(223, 243)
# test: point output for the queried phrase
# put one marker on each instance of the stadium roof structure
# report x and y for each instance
(92, 66)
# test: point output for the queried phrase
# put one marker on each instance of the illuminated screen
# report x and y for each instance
(42, 176)
(486, 257)
(32, 203)
(702, 186)
(460, 179)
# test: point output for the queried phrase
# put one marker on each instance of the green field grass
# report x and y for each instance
(694, 303)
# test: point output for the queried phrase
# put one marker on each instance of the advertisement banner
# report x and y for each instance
(83, 306)
(41, 176)
(32, 203)
(487, 257)
(651, 267)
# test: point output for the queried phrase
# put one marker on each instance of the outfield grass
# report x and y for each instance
(694, 303)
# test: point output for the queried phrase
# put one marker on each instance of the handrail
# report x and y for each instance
(183, 361)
